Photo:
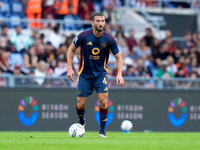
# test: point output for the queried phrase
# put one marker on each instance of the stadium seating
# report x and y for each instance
(5, 10)
(17, 7)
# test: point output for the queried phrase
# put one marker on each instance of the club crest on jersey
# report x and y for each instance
(103, 45)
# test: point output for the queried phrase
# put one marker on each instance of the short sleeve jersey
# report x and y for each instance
(94, 52)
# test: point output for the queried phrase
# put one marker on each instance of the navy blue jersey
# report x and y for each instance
(94, 52)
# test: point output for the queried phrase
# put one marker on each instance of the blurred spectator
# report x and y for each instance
(64, 6)
(50, 24)
(31, 80)
(149, 37)
(162, 72)
(141, 71)
(111, 15)
(21, 40)
(61, 7)
(187, 40)
(55, 37)
(60, 69)
(4, 32)
(131, 41)
(33, 11)
(182, 68)
(61, 52)
(48, 8)
(69, 40)
(116, 3)
(41, 54)
(181, 4)
(52, 66)
(168, 34)
(171, 65)
(163, 52)
(53, 83)
(4, 62)
(111, 61)
(17, 71)
(35, 34)
(196, 39)
(121, 43)
(85, 10)
(40, 72)
(127, 60)
(98, 5)
(177, 53)
(2, 80)
(73, 5)
(4, 44)
(130, 71)
(193, 65)
(155, 47)
(119, 34)
(141, 49)
(30, 58)
(171, 46)
(193, 84)
(108, 28)
(50, 52)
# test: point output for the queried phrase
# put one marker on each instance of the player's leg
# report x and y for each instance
(80, 109)
(103, 112)
(101, 87)
(84, 89)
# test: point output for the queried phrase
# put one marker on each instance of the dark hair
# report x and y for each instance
(56, 28)
(4, 26)
(97, 14)
(149, 29)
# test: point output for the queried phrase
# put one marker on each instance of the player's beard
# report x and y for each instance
(99, 29)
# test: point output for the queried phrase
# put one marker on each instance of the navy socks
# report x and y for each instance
(80, 114)
(103, 113)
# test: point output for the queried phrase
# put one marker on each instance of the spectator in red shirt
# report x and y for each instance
(131, 42)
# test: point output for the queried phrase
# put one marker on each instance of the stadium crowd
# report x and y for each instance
(24, 54)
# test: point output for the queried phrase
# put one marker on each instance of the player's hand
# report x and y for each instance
(70, 74)
(120, 80)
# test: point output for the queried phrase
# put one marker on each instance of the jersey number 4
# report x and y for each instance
(104, 80)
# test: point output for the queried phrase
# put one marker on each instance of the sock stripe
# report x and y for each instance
(103, 111)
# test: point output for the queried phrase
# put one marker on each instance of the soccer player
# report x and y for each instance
(95, 45)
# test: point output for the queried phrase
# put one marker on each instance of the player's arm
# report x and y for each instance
(70, 54)
(119, 79)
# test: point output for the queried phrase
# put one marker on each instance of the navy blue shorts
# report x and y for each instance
(86, 86)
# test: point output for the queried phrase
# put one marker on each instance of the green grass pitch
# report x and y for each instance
(91, 141)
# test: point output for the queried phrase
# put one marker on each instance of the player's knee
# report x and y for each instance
(80, 105)
(103, 104)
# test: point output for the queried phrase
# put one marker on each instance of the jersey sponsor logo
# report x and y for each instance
(106, 89)
(103, 45)
(95, 51)
(89, 43)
